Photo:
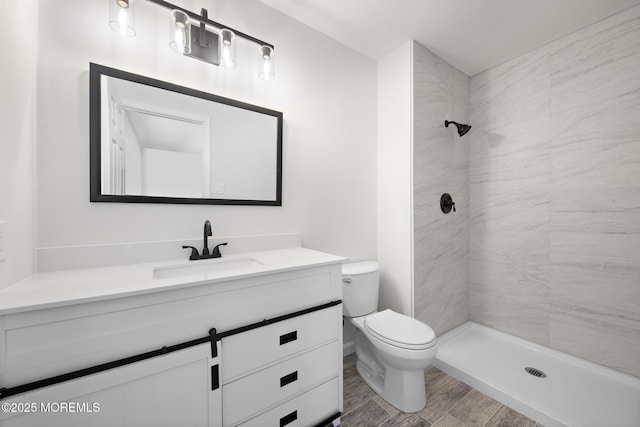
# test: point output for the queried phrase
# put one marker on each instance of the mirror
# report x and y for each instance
(156, 142)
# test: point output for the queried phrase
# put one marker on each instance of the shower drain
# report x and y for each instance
(535, 372)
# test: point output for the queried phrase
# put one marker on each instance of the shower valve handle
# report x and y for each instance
(447, 203)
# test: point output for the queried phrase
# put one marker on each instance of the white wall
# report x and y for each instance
(17, 143)
(326, 91)
(395, 236)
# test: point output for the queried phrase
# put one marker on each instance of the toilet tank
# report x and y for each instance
(360, 284)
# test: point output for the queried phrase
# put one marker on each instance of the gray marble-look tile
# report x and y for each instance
(591, 158)
(515, 90)
(509, 146)
(608, 286)
(517, 204)
(597, 63)
(569, 247)
(519, 260)
(614, 211)
(596, 317)
(436, 234)
(507, 417)
(441, 292)
(433, 160)
(439, 165)
(368, 415)
(554, 199)
(509, 281)
(517, 314)
(599, 337)
(509, 176)
(577, 128)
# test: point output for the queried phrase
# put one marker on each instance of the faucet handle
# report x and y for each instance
(216, 251)
(194, 252)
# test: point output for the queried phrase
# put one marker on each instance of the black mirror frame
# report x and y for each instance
(95, 71)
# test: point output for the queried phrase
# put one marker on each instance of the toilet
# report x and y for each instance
(392, 349)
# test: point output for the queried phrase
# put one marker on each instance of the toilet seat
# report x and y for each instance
(399, 330)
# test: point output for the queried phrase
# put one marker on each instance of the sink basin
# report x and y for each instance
(206, 267)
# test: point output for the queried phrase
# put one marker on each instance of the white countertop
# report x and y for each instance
(68, 287)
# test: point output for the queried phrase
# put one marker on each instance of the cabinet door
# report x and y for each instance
(170, 390)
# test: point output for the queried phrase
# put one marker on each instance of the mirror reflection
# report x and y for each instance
(163, 143)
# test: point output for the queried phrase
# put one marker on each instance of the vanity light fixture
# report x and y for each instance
(196, 36)
(121, 17)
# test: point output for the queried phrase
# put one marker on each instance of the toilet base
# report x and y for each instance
(404, 389)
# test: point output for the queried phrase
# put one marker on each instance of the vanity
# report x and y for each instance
(252, 339)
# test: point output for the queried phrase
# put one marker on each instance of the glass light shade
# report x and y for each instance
(180, 32)
(122, 18)
(268, 64)
(227, 48)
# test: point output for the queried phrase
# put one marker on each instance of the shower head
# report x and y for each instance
(462, 129)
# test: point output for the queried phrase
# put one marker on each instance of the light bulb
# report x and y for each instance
(268, 72)
(227, 48)
(121, 17)
(180, 32)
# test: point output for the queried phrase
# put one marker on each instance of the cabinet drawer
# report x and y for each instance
(258, 348)
(305, 410)
(255, 393)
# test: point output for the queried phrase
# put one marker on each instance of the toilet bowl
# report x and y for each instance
(392, 349)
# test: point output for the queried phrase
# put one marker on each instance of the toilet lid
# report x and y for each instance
(400, 330)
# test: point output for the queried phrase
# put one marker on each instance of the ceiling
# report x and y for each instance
(472, 35)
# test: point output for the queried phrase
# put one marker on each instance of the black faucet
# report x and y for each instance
(207, 233)
(205, 250)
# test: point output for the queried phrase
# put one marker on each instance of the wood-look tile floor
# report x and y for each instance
(450, 403)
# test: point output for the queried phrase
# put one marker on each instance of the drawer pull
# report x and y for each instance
(288, 379)
(286, 338)
(215, 377)
(288, 418)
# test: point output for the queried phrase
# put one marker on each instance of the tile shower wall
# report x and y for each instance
(555, 194)
(440, 165)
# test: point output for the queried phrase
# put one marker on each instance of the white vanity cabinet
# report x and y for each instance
(269, 366)
(277, 361)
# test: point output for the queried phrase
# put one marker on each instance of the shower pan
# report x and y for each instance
(548, 386)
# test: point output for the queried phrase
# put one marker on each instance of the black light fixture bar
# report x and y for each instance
(208, 21)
